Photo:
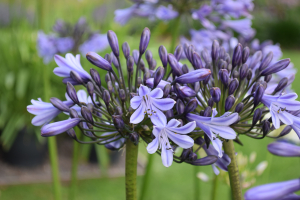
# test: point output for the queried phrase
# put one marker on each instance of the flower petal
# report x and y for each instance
(153, 146)
(275, 119)
(158, 119)
(183, 141)
(189, 127)
(157, 93)
(166, 155)
(143, 90)
(138, 114)
(173, 123)
(82, 96)
(224, 131)
(225, 120)
(135, 102)
(163, 104)
(217, 143)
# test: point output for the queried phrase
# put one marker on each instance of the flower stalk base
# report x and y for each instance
(131, 170)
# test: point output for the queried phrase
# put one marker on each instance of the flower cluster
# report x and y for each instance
(213, 99)
(67, 38)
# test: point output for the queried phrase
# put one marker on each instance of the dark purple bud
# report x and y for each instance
(249, 74)
(233, 85)
(205, 81)
(191, 106)
(206, 140)
(197, 62)
(163, 54)
(134, 137)
(285, 131)
(215, 50)
(142, 65)
(90, 89)
(185, 91)
(229, 102)
(185, 69)
(268, 78)
(256, 116)
(281, 85)
(179, 107)
(114, 60)
(118, 110)
(227, 60)
(265, 127)
(193, 156)
(87, 115)
(255, 59)
(130, 63)
(237, 55)
(215, 93)
(75, 76)
(153, 64)
(185, 153)
(96, 77)
(119, 123)
(201, 113)
(178, 52)
(149, 57)
(239, 107)
(210, 102)
(206, 56)
(169, 113)
(135, 54)
(122, 95)
(224, 76)
(71, 132)
(245, 54)
(167, 90)
(207, 112)
(243, 71)
(194, 76)
(276, 67)
(145, 38)
(222, 52)
(108, 58)
(57, 103)
(222, 64)
(208, 160)
(159, 74)
(72, 93)
(235, 74)
(189, 53)
(258, 95)
(107, 78)
(106, 97)
(266, 61)
(110, 87)
(73, 113)
(98, 61)
(59, 127)
(113, 42)
(197, 87)
(255, 86)
(174, 65)
(126, 49)
(147, 75)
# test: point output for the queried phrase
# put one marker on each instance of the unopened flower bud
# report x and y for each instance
(281, 85)
(163, 54)
(57, 103)
(197, 87)
(185, 69)
(122, 95)
(233, 85)
(167, 90)
(186, 153)
(107, 78)
(72, 93)
(130, 63)
(149, 57)
(258, 95)
(285, 131)
(108, 57)
(145, 38)
(215, 50)
(73, 113)
(265, 127)
(229, 67)
(243, 71)
(191, 106)
(229, 102)
(179, 107)
(210, 102)
(98, 61)
(113, 42)
(222, 52)
(215, 93)
(178, 52)
(114, 60)
(256, 116)
(237, 55)
(135, 54)
(147, 75)
(126, 49)
(142, 65)
(110, 87)
(194, 76)
(159, 74)
(266, 61)
(71, 132)
(169, 113)
(75, 76)
(207, 112)
(134, 137)
(235, 74)
(174, 64)
(268, 78)
(249, 74)
(139, 81)
(106, 97)
(239, 107)
(245, 54)
(205, 56)
(208, 160)
(153, 64)
(119, 123)
(256, 58)
(96, 77)
(87, 115)
(197, 62)
(90, 89)
(193, 156)
(185, 91)
(224, 76)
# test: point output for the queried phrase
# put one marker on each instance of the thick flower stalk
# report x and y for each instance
(213, 100)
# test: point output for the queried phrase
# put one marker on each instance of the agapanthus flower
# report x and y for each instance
(164, 131)
(166, 13)
(96, 42)
(284, 148)
(150, 103)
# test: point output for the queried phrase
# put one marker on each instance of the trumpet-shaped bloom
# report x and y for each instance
(59, 127)
(150, 103)
(283, 148)
(164, 131)
(45, 112)
(274, 191)
(278, 106)
(216, 126)
(68, 64)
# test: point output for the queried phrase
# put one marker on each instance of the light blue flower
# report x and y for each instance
(274, 191)
(216, 126)
(150, 103)
(46, 46)
(96, 43)
(164, 131)
(83, 98)
(284, 148)
(166, 13)
(241, 26)
(59, 127)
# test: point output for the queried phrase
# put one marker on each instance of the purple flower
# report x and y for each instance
(59, 127)
(45, 112)
(46, 46)
(165, 131)
(97, 42)
(82, 97)
(161, 84)
(236, 9)
(201, 15)
(278, 106)
(273, 191)
(284, 148)
(216, 126)
(68, 64)
(166, 13)
(64, 44)
(150, 103)
(241, 26)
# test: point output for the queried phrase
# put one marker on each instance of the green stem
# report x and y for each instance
(196, 183)
(233, 171)
(146, 178)
(175, 33)
(103, 160)
(131, 170)
(214, 188)
(74, 170)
